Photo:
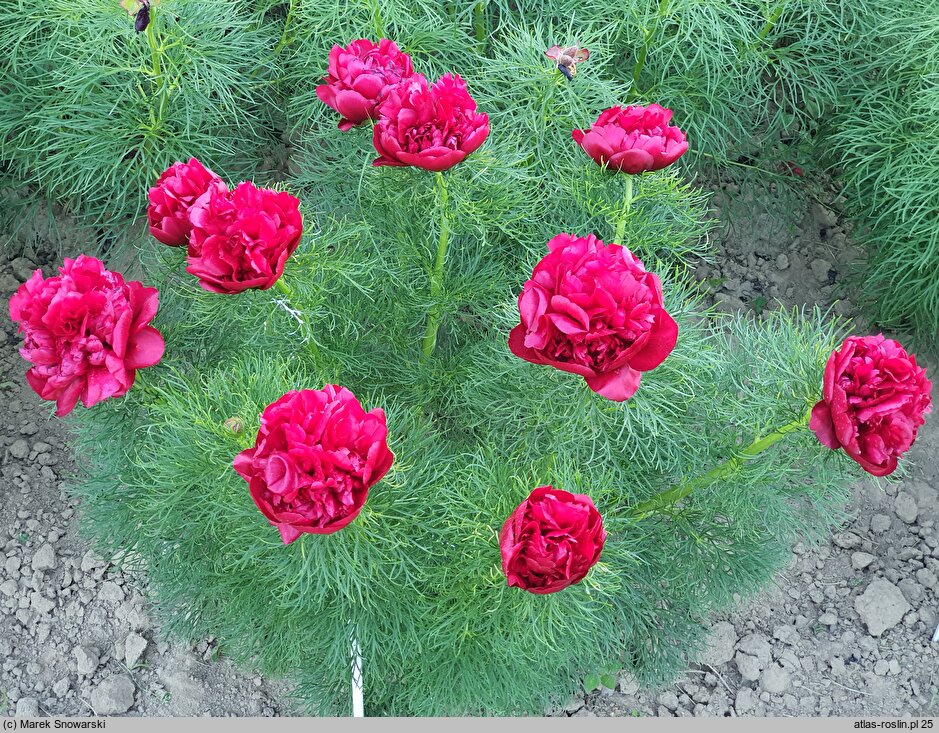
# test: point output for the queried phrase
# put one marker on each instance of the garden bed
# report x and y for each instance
(803, 641)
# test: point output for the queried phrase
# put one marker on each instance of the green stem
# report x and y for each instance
(627, 207)
(377, 22)
(156, 63)
(283, 287)
(283, 36)
(436, 276)
(479, 25)
(727, 468)
(771, 21)
(648, 34)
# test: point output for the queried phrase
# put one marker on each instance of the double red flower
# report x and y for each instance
(236, 239)
(433, 127)
(359, 75)
(592, 309)
(430, 127)
(873, 402)
(315, 458)
(633, 139)
(86, 331)
(551, 540)
(172, 197)
(241, 239)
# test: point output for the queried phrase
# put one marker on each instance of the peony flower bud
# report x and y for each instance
(235, 425)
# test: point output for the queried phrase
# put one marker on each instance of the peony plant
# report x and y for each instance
(471, 530)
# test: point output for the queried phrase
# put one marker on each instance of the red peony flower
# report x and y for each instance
(633, 139)
(241, 239)
(433, 128)
(86, 332)
(873, 401)
(358, 77)
(592, 309)
(551, 540)
(315, 458)
(175, 191)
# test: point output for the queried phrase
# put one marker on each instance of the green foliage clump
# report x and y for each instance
(91, 112)
(416, 578)
(885, 140)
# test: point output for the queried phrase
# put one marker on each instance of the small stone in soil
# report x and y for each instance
(111, 592)
(87, 659)
(720, 645)
(745, 700)
(134, 647)
(860, 560)
(820, 269)
(881, 607)
(828, 619)
(775, 679)
(114, 695)
(27, 707)
(905, 507)
(19, 449)
(44, 559)
(880, 523)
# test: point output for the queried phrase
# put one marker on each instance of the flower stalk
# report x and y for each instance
(436, 275)
(647, 35)
(285, 38)
(771, 20)
(670, 497)
(479, 25)
(161, 89)
(627, 208)
(300, 316)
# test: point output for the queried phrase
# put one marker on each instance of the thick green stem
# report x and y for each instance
(305, 326)
(771, 21)
(727, 468)
(479, 25)
(161, 89)
(283, 287)
(627, 207)
(436, 275)
(284, 37)
(377, 23)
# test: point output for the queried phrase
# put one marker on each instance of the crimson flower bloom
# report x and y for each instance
(592, 309)
(633, 139)
(86, 331)
(316, 456)
(358, 77)
(551, 540)
(873, 401)
(433, 128)
(241, 239)
(173, 195)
